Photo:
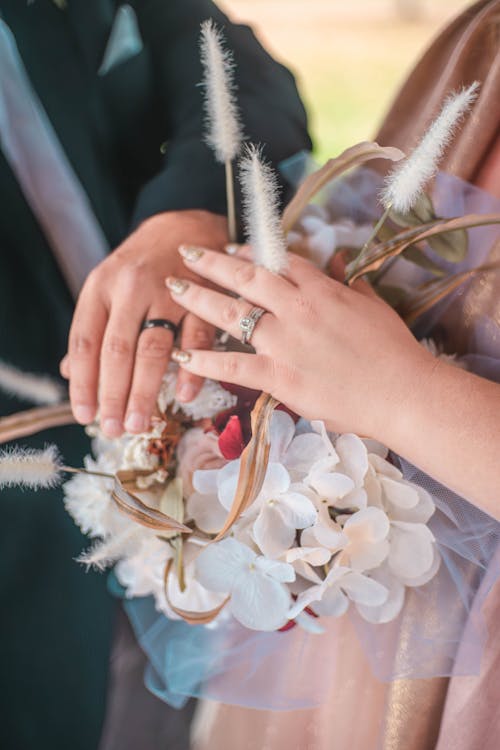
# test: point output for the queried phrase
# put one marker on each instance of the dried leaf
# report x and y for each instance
(433, 292)
(138, 511)
(191, 617)
(414, 254)
(452, 246)
(31, 421)
(375, 257)
(254, 461)
(351, 157)
(172, 503)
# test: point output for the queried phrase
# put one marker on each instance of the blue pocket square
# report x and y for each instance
(124, 41)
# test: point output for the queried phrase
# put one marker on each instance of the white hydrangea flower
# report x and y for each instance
(259, 600)
(323, 236)
(331, 596)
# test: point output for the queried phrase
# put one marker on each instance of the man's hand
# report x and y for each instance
(111, 364)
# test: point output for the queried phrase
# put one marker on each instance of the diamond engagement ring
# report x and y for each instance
(248, 323)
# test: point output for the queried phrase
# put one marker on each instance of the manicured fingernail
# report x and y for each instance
(191, 253)
(112, 428)
(186, 393)
(232, 248)
(180, 356)
(83, 414)
(136, 422)
(176, 286)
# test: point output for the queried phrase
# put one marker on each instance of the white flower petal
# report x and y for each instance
(392, 606)
(281, 432)
(333, 603)
(260, 603)
(381, 466)
(399, 493)
(309, 623)
(304, 451)
(411, 549)
(220, 565)
(271, 532)
(420, 513)
(363, 590)
(227, 481)
(205, 481)
(276, 481)
(207, 512)
(369, 524)
(428, 575)
(332, 486)
(354, 457)
(280, 571)
(312, 555)
(297, 510)
(329, 536)
(312, 594)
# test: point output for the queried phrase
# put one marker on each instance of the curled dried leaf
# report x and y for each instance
(254, 461)
(138, 511)
(351, 157)
(376, 256)
(190, 616)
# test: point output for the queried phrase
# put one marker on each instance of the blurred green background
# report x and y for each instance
(349, 56)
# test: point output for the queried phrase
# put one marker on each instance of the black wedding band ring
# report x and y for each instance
(168, 325)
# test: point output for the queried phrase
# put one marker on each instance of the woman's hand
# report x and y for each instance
(106, 350)
(326, 351)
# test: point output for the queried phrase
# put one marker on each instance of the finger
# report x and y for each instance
(85, 338)
(218, 309)
(117, 363)
(255, 283)
(196, 334)
(64, 367)
(248, 370)
(152, 355)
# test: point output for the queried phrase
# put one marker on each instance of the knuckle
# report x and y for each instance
(81, 345)
(230, 366)
(153, 346)
(244, 273)
(117, 346)
(230, 312)
(199, 338)
(304, 306)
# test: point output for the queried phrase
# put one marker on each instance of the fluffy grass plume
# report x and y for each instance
(39, 389)
(406, 182)
(224, 131)
(106, 552)
(260, 190)
(24, 467)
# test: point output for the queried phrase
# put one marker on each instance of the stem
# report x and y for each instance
(72, 470)
(375, 230)
(231, 210)
(372, 236)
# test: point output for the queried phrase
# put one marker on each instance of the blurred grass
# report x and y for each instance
(349, 57)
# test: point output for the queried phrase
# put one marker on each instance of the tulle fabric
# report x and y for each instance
(441, 630)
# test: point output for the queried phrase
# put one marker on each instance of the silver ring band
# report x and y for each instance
(248, 323)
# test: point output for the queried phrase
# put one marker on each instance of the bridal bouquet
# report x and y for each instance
(231, 506)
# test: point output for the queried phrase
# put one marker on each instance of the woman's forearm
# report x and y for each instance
(451, 430)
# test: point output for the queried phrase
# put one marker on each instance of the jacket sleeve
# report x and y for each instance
(272, 113)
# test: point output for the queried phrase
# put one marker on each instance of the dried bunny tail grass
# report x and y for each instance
(106, 552)
(262, 213)
(39, 389)
(25, 467)
(405, 183)
(224, 130)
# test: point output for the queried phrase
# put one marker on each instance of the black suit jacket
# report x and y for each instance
(56, 621)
